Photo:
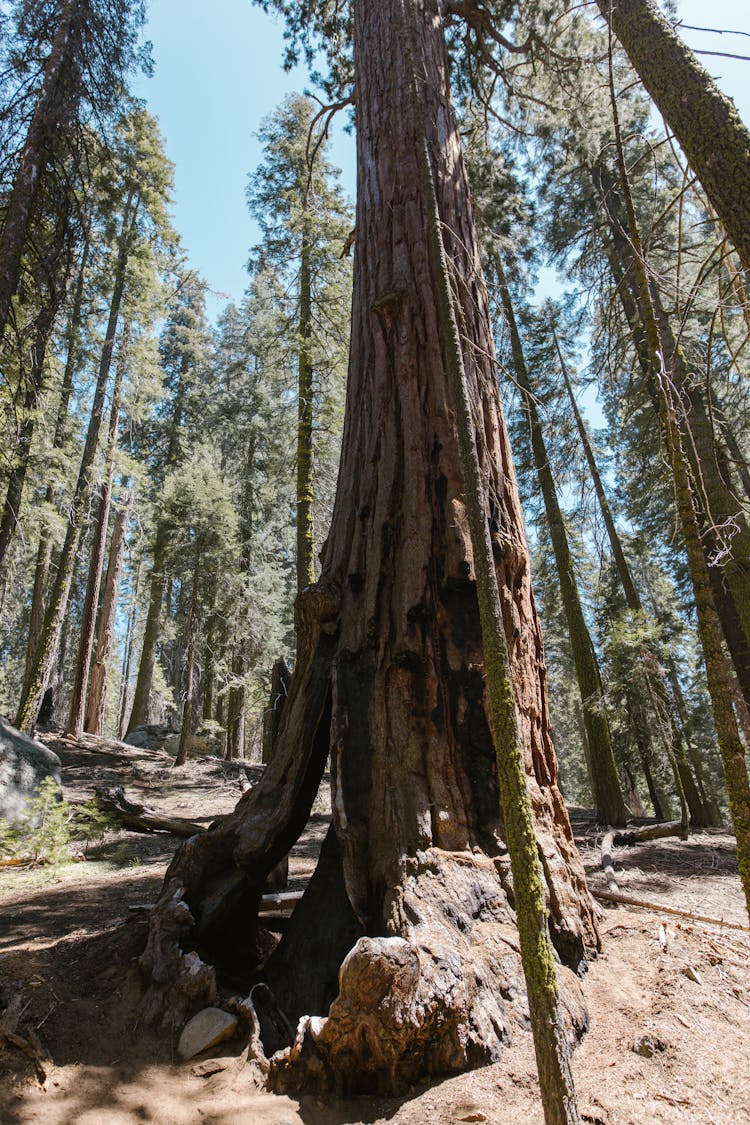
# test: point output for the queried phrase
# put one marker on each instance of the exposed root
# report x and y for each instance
(189, 982)
(439, 997)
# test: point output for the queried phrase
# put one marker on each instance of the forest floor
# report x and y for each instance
(677, 989)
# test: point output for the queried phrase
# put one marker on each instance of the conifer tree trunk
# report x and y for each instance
(236, 706)
(709, 628)
(605, 785)
(44, 550)
(127, 656)
(17, 476)
(405, 915)
(151, 630)
(158, 583)
(305, 495)
(44, 658)
(97, 697)
(700, 449)
(235, 713)
(656, 686)
(632, 596)
(98, 548)
(706, 123)
(58, 271)
(47, 120)
(736, 458)
(187, 709)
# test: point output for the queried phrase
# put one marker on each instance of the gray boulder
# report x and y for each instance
(150, 737)
(24, 764)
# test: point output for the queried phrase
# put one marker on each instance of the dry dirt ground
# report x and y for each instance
(68, 943)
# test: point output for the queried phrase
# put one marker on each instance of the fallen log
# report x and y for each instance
(279, 903)
(646, 904)
(629, 837)
(141, 817)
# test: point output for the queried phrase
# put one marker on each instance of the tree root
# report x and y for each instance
(437, 996)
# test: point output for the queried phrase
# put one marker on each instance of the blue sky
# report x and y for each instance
(218, 74)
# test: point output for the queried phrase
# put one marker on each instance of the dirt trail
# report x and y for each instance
(68, 944)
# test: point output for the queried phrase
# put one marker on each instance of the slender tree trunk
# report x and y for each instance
(705, 121)
(391, 675)
(709, 628)
(44, 550)
(98, 549)
(97, 699)
(58, 271)
(654, 678)
(235, 713)
(158, 584)
(44, 657)
(127, 658)
(305, 494)
(151, 631)
(605, 785)
(737, 461)
(708, 796)
(236, 706)
(618, 555)
(9, 520)
(50, 112)
(187, 709)
(702, 468)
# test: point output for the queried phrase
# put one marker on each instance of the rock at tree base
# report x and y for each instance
(209, 1027)
(24, 764)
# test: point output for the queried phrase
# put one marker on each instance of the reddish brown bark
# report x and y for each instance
(389, 674)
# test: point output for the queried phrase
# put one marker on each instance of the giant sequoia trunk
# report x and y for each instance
(412, 889)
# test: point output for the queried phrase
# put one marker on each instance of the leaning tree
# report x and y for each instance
(413, 890)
